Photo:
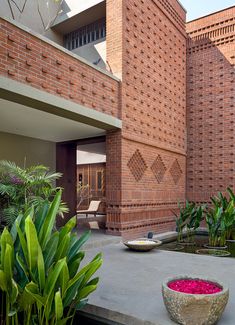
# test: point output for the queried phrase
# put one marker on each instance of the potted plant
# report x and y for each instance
(194, 300)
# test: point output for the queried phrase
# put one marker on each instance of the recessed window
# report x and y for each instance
(85, 35)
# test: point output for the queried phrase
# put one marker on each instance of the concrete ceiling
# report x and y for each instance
(84, 15)
(19, 119)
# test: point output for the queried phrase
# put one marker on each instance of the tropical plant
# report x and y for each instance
(220, 219)
(23, 187)
(39, 278)
(189, 219)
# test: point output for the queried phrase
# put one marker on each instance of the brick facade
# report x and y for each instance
(210, 104)
(146, 168)
(153, 104)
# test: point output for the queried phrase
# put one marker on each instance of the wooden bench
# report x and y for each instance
(92, 209)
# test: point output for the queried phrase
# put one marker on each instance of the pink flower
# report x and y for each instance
(199, 287)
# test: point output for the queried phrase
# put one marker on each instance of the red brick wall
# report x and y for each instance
(210, 104)
(30, 60)
(153, 139)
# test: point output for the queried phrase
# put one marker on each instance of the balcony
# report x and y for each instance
(84, 30)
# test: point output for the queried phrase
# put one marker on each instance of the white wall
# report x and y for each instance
(78, 5)
(93, 52)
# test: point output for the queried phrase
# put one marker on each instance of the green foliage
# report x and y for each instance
(189, 219)
(40, 280)
(21, 188)
(220, 219)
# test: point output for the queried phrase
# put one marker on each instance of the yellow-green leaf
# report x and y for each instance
(32, 243)
(58, 306)
(3, 281)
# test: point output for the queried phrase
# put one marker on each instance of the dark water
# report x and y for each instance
(199, 244)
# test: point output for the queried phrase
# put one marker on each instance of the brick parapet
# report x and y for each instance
(34, 61)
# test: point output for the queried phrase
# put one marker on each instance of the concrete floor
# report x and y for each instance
(130, 283)
(98, 238)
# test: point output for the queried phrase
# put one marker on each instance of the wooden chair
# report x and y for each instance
(92, 209)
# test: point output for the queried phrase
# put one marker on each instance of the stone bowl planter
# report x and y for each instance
(142, 245)
(194, 309)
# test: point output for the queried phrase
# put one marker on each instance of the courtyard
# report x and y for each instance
(130, 287)
(117, 182)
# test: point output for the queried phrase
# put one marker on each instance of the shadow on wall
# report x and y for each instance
(94, 52)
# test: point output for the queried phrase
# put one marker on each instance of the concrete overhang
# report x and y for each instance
(62, 119)
(86, 13)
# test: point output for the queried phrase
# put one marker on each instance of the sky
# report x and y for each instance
(199, 8)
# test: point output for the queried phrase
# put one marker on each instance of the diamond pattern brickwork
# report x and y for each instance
(137, 165)
(158, 168)
(176, 171)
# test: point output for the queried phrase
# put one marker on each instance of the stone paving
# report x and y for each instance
(130, 283)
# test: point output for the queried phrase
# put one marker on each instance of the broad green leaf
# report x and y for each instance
(22, 265)
(32, 243)
(71, 292)
(41, 215)
(64, 278)
(8, 264)
(58, 306)
(23, 243)
(67, 228)
(46, 229)
(51, 249)
(63, 247)
(93, 282)
(73, 265)
(53, 276)
(84, 292)
(5, 239)
(33, 290)
(14, 292)
(3, 281)
(14, 229)
(91, 268)
(41, 269)
(78, 244)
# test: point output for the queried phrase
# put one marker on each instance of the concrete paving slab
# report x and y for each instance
(130, 283)
(98, 239)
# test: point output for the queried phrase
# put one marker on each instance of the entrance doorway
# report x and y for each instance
(91, 165)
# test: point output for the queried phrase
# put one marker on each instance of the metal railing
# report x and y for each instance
(85, 35)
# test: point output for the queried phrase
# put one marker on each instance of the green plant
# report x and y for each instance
(23, 187)
(189, 219)
(39, 278)
(220, 219)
